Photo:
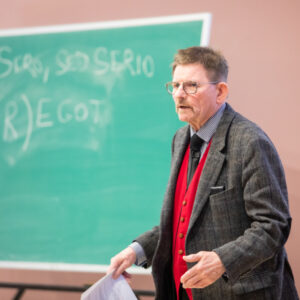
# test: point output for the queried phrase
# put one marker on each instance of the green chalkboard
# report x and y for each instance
(86, 127)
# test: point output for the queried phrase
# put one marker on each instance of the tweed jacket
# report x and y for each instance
(246, 223)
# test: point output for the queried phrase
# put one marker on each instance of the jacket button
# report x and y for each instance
(181, 235)
(184, 203)
(182, 219)
(180, 252)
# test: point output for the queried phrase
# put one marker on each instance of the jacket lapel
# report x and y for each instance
(213, 165)
(182, 140)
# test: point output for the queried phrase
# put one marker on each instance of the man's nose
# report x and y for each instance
(179, 92)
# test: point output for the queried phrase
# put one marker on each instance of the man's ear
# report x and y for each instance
(222, 92)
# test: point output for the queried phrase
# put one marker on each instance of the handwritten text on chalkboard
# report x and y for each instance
(101, 60)
(34, 106)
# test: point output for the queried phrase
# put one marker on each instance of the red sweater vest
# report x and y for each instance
(183, 206)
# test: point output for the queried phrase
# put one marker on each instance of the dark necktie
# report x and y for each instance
(195, 147)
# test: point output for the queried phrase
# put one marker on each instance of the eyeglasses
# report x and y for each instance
(190, 87)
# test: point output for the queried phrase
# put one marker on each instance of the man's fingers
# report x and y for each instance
(110, 269)
(194, 280)
(195, 270)
(192, 257)
(200, 284)
(206, 271)
(121, 262)
(114, 264)
(188, 275)
(120, 267)
(192, 283)
(188, 279)
(120, 270)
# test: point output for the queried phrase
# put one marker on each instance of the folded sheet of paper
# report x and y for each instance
(108, 288)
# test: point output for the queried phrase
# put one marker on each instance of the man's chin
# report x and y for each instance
(183, 117)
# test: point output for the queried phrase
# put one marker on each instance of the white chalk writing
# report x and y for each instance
(95, 111)
(19, 64)
(99, 62)
(101, 66)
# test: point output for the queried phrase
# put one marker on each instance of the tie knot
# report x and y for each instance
(196, 143)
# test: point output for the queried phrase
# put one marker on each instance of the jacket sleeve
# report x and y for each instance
(149, 240)
(265, 200)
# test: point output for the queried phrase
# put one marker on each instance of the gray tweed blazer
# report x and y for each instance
(246, 224)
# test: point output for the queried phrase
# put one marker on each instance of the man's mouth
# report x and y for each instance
(182, 107)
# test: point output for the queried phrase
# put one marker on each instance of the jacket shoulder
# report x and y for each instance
(180, 136)
(247, 131)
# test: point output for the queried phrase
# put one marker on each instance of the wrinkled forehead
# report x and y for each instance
(190, 72)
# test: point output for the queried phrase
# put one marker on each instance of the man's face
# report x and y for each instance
(197, 108)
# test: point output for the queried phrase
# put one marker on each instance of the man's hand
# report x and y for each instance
(121, 262)
(208, 269)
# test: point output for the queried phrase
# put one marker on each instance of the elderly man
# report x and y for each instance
(225, 216)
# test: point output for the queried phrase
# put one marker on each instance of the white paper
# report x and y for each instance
(108, 288)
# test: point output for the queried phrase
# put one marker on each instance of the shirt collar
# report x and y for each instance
(209, 128)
